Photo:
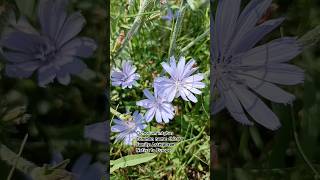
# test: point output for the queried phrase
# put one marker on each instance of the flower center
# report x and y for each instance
(125, 77)
(131, 125)
(220, 70)
(46, 52)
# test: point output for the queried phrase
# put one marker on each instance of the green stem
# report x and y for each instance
(296, 139)
(18, 157)
(176, 29)
(10, 158)
(199, 38)
(119, 115)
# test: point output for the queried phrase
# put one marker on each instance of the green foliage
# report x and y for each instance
(131, 160)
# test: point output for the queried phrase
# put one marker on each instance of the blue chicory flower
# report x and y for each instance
(82, 169)
(157, 106)
(125, 77)
(182, 82)
(128, 130)
(54, 52)
(97, 132)
(241, 71)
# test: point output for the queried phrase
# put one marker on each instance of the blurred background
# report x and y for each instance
(244, 153)
(54, 117)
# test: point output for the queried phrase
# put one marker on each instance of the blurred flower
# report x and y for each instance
(241, 72)
(97, 132)
(157, 106)
(81, 169)
(55, 52)
(169, 16)
(126, 77)
(182, 82)
(128, 130)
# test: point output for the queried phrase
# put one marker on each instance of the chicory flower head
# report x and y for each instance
(125, 77)
(128, 130)
(54, 52)
(157, 106)
(181, 82)
(241, 71)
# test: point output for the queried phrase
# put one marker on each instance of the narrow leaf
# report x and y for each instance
(131, 160)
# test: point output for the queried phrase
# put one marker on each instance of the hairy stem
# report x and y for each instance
(177, 29)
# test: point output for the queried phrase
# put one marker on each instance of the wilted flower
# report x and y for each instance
(182, 82)
(242, 72)
(125, 77)
(128, 130)
(157, 106)
(82, 169)
(97, 132)
(54, 52)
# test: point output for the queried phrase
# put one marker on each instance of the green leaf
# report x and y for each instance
(311, 38)
(26, 7)
(131, 160)
(256, 137)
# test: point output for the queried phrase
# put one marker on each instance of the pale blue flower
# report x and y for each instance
(128, 130)
(157, 106)
(125, 77)
(242, 73)
(181, 82)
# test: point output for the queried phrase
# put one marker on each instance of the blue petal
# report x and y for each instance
(277, 51)
(233, 104)
(72, 26)
(52, 16)
(267, 90)
(256, 108)
(94, 172)
(22, 42)
(148, 94)
(56, 158)
(80, 47)
(225, 23)
(46, 75)
(14, 71)
(17, 57)
(97, 132)
(279, 73)
(250, 16)
(81, 164)
(252, 37)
